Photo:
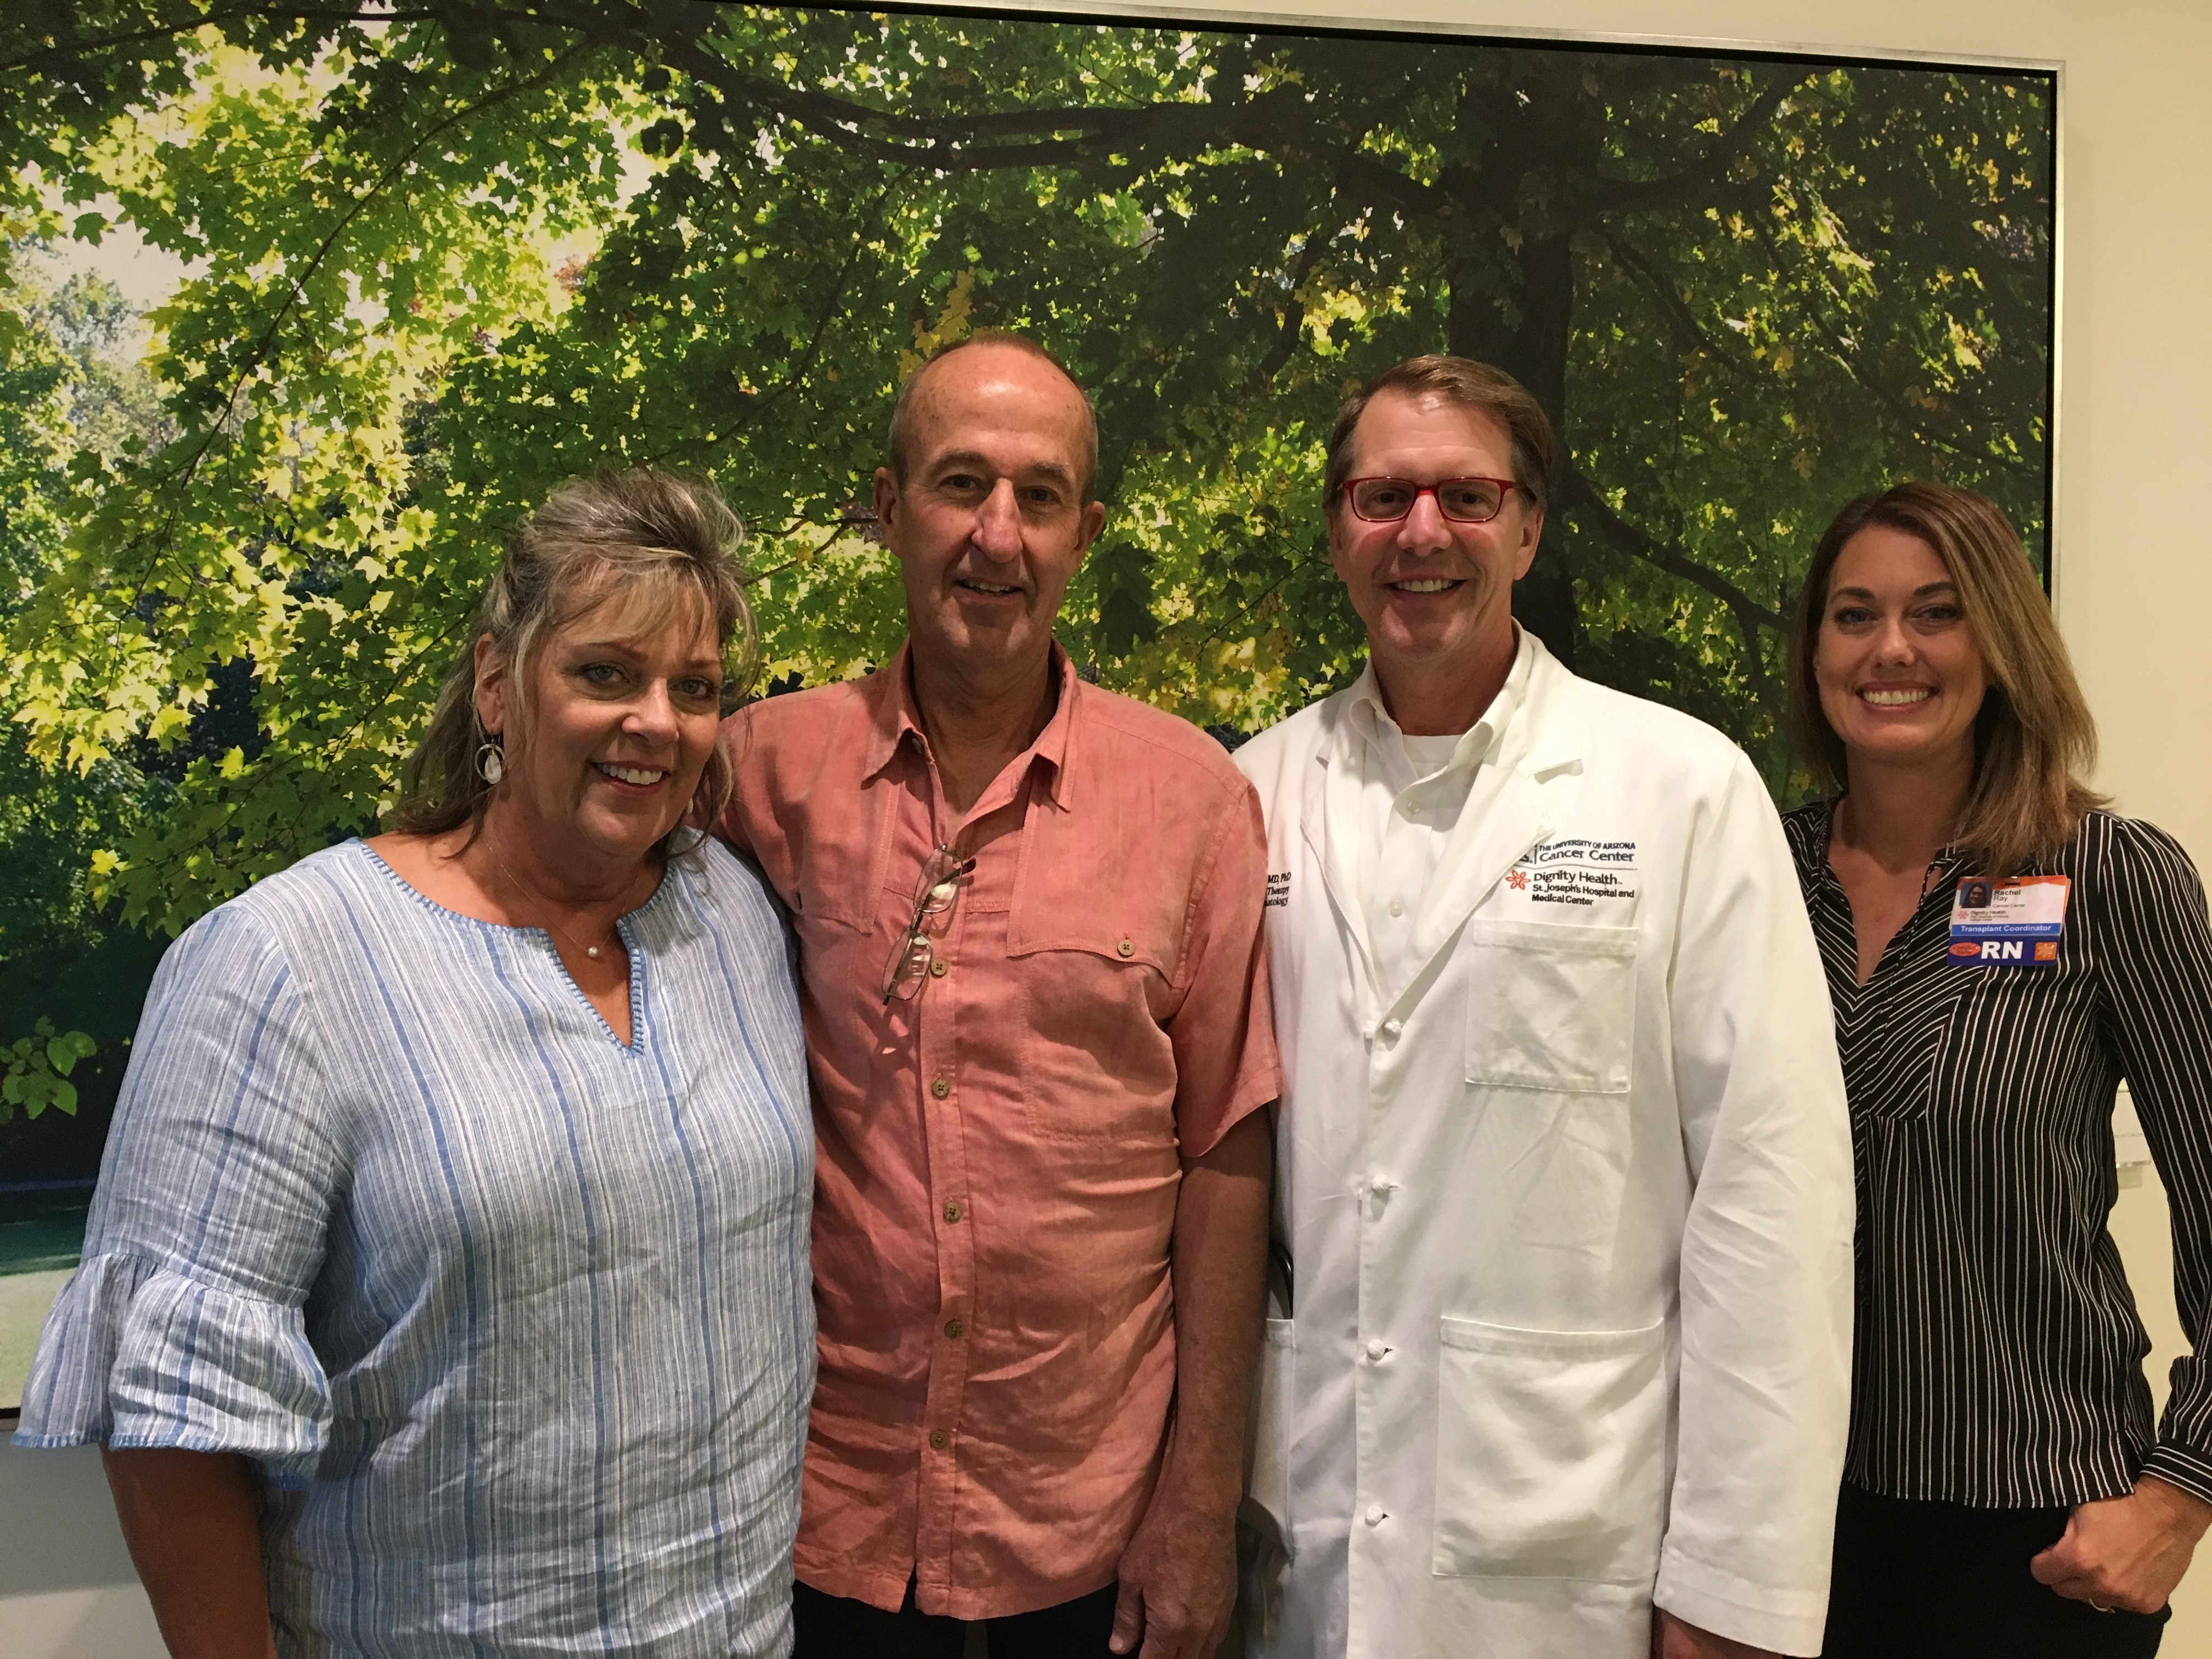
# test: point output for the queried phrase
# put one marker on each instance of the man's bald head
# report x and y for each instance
(903, 412)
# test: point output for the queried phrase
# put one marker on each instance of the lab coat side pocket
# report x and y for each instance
(1551, 1005)
(1268, 1487)
(1551, 1453)
(1263, 1519)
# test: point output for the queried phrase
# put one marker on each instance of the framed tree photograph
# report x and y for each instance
(301, 306)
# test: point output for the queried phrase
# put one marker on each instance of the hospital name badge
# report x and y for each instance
(2015, 922)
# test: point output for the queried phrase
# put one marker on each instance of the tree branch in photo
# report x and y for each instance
(1294, 313)
(1576, 495)
(1845, 356)
(1750, 615)
(1684, 188)
(1689, 332)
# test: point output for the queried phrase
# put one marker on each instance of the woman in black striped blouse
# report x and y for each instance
(2001, 954)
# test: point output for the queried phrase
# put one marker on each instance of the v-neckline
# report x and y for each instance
(634, 1048)
(1935, 879)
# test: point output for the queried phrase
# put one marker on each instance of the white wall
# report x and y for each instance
(2133, 574)
(66, 1588)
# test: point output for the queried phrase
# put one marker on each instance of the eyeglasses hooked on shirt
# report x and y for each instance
(935, 895)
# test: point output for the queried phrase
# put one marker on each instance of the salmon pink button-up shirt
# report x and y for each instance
(998, 1157)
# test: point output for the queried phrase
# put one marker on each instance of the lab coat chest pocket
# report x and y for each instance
(1550, 1006)
(1551, 1453)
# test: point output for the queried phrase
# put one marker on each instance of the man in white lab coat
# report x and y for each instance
(1564, 1168)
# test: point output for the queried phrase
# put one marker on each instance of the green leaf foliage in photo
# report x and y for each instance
(441, 256)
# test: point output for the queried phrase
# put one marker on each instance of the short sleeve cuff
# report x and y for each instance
(1789, 1621)
(2182, 1466)
(1254, 1092)
(137, 1355)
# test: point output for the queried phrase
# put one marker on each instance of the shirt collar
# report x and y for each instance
(1372, 721)
(893, 714)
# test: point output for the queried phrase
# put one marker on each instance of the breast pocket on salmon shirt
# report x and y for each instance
(1551, 1453)
(1550, 1006)
(1098, 1069)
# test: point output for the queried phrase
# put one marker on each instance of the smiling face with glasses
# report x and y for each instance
(1429, 535)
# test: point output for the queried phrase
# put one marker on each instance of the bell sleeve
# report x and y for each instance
(182, 1326)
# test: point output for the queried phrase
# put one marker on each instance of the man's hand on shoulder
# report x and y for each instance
(1178, 1581)
(1672, 1639)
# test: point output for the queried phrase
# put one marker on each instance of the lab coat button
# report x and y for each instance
(1394, 1028)
(1378, 1185)
(1375, 1515)
(1376, 1350)
(1397, 906)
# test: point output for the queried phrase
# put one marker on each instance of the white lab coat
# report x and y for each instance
(1570, 1213)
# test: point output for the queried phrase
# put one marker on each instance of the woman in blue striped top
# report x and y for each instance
(445, 1291)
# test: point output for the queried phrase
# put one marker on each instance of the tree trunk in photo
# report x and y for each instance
(1531, 346)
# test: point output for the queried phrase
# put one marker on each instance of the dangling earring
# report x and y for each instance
(491, 760)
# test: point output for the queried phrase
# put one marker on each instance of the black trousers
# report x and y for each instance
(1948, 1581)
(838, 1627)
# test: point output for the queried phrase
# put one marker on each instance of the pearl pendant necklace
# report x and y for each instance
(591, 951)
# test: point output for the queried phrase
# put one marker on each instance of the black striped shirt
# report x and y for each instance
(1998, 1355)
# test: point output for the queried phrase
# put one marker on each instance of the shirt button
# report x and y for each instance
(1378, 1185)
(938, 1440)
(1376, 1350)
(937, 967)
(1397, 908)
(1394, 1028)
(940, 1088)
(1127, 947)
(1375, 1515)
(954, 1328)
(952, 1213)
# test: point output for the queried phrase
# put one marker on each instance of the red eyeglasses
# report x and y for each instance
(1463, 500)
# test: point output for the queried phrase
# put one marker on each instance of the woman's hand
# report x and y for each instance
(2126, 1553)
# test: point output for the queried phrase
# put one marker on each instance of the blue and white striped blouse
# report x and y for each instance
(516, 1319)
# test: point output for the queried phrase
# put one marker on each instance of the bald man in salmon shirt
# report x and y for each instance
(1028, 914)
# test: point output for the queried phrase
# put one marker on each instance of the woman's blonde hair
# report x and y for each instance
(2034, 739)
(659, 540)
